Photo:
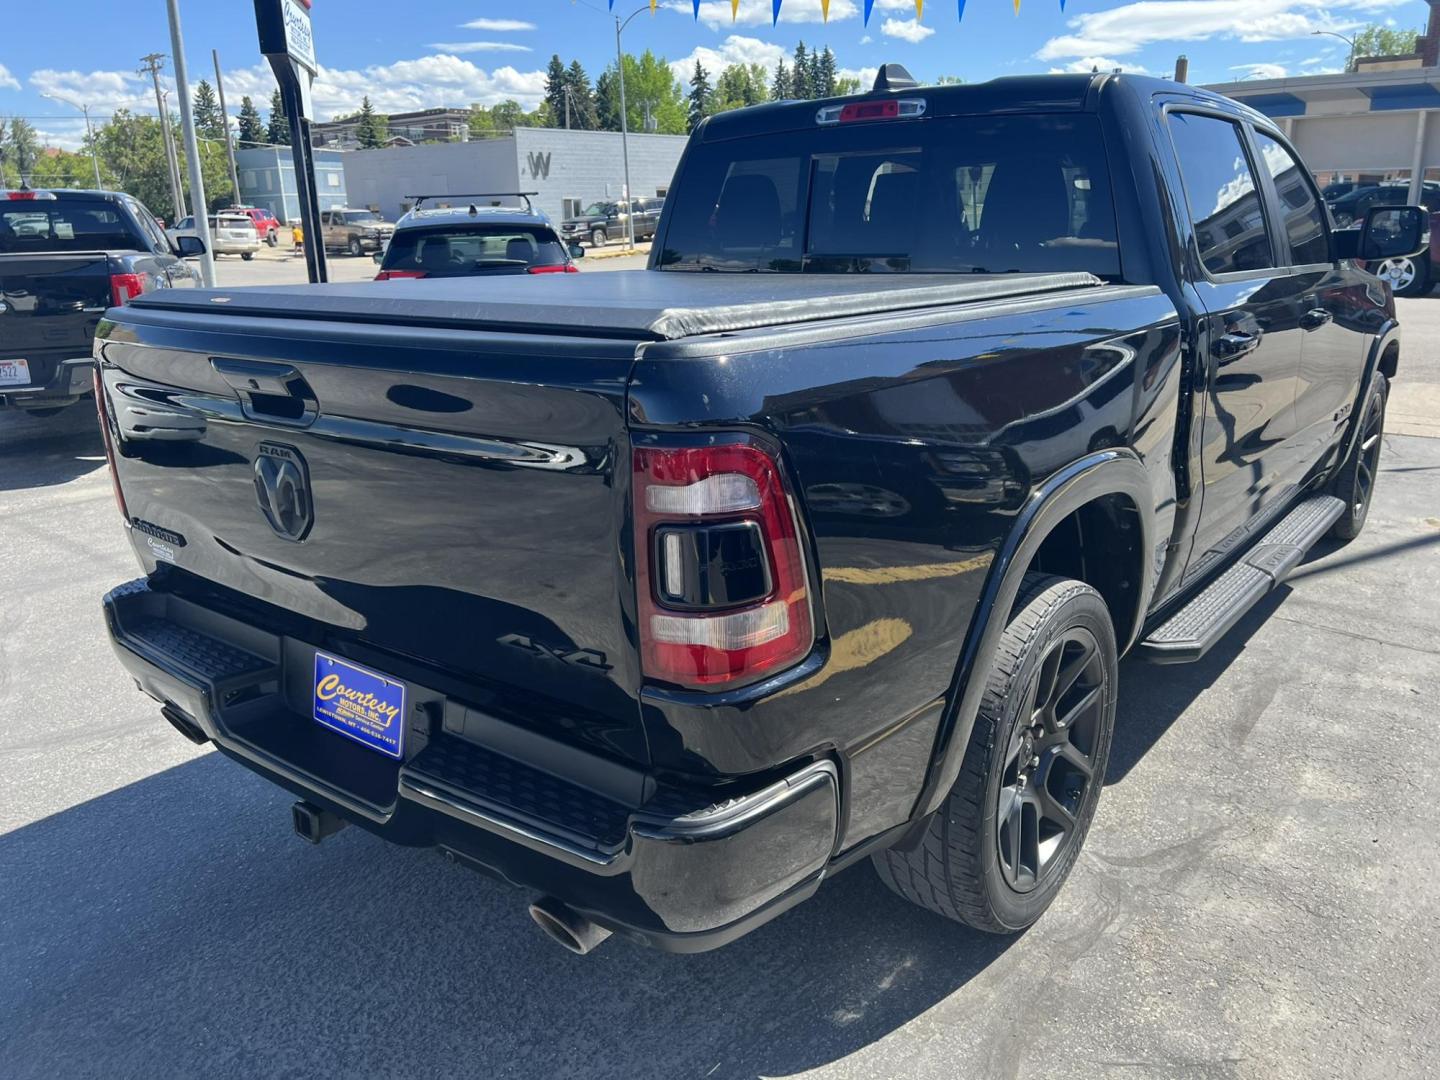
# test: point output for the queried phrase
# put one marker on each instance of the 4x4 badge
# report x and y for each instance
(282, 488)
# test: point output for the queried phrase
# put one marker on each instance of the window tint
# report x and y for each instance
(1220, 188)
(65, 225)
(470, 250)
(1304, 221)
(962, 195)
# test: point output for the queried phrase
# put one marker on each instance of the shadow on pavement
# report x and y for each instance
(43, 451)
(175, 927)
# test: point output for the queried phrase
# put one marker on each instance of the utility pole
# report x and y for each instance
(192, 148)
(625, 133)
(225, 119)
(153, 64)
(89, 132)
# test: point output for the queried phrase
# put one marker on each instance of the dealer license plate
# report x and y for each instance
(359, 703)
(14, 372)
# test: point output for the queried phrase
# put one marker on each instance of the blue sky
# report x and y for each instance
(453, 52)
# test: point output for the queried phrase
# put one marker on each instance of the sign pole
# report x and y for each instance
(199, 208)
(287, 42)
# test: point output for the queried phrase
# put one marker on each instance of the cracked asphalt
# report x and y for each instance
(1259, 896)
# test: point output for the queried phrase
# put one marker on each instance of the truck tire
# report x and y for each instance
(999, 848)
(597, 238)
(1354, 483)
(1408, 276)
(273, 237)
(247, 255)
(355, 248)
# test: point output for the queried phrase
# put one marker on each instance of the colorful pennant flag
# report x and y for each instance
(825, 11)
(869, 5)
(960, 16)
(697, 10)
(734, 9)
(919, 9)
(774, 12)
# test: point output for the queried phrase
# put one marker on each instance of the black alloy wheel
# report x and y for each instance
(1354, 482)
(1048, 761)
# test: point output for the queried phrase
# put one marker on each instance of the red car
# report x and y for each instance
(266, 224)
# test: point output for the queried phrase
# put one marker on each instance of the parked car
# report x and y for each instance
(267, 226)
(447, 242)
(354, 231)
(1406, 275)
(65, 256)
(667, 594)
(230, 234)
(601, 222)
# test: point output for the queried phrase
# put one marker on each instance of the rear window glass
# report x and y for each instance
(473, 249)
(64, 225)
(965, 195)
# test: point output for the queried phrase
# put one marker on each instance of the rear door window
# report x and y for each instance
(1304, 221)
(473, 249)
(66, 225)
(1225, 207)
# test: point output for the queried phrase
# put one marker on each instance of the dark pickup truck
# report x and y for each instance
(668, 594)
(65, 257)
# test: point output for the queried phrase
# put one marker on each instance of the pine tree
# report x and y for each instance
(781, 89)
(208, 122)
(607, 101)
(252, 131)
(826, 72)
(370, 132)
(812, 74)
(279, 130)
(22, 147)
(800, 88)
(555, 87)
(583, 113)
(700, 96)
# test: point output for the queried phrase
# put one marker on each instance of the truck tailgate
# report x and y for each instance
(450, 496)
(49, 307)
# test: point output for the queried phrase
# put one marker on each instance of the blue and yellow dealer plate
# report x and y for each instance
(363, 704)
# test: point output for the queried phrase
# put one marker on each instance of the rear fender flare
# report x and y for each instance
(1106, 472)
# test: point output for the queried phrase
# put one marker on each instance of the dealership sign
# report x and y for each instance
(286, 35)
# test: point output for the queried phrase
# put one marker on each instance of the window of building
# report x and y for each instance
(572, 206)
(1303, 218)
(1220, 188)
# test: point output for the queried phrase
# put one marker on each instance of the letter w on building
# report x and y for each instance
(539, 165)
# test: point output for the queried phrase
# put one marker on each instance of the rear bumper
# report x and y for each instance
(677, 868)
(69, 380)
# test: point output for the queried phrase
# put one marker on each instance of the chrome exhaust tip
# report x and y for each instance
(571, 929)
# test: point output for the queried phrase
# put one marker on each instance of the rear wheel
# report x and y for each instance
(273, 238)
(1355, 482)
(1408, 276)
(1001, 845)
(247, 255)
(597, 237)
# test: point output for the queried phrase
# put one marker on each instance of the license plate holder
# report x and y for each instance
(364, 705)
(15, 372)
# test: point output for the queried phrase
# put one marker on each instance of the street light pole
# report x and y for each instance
(89, 134)
(192, 148)
(1350, 61)
(625, 126)
(162, 114)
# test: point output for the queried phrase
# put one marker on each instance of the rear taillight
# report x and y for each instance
(125, 287)
(862, 111)
(568, 268)
(391, 275)
(720, 572)
(102, 407)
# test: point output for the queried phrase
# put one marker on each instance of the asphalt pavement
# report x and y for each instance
(1258, 897)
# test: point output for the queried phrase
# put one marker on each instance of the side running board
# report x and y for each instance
(1187, 634)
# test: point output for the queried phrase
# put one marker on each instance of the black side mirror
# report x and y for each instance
(378, 258)
(189, 247)
(576, 251)
(1393, 232)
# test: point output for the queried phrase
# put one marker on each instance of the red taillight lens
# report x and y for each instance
(567, 268)
(125, 287)
(103, 409)
(391, 275)
(869, 110)
(728, 502)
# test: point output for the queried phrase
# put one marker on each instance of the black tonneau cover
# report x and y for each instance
(634, 304)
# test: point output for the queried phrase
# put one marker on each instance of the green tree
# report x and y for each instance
(846, 84)
(555, 86)
(825, 73)
(740, 85)
(607, 100)
(22, 148)
(278, 131)
(800, 74)
(701, 96)
(649, 84)
(373, 129)
(1377, 40)
(583, 114)
(252, 131)
(783, 88)
(208, 122)
(61, 168)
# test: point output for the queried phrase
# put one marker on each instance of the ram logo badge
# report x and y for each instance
(282, 488)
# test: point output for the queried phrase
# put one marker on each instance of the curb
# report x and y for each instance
(609, 252)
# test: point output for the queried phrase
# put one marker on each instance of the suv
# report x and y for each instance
(601, 222)
(230, 234)
(267, 227)
(447, 242)
(355, 231)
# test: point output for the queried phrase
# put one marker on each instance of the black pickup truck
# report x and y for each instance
(668, 594)
(65, 257)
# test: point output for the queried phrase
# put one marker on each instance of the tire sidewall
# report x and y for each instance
(1353, 520)
(1085, 608)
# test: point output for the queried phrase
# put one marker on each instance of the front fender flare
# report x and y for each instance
(1106, 472)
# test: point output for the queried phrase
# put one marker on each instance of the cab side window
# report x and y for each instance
(1225, 206)
(1303, 219)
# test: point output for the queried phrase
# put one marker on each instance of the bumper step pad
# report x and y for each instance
(1187, 634)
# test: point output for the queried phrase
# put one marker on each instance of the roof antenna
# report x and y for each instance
(893, 77)
(473, 211)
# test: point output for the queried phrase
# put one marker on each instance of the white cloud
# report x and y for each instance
(1099, 63)
(498, 26)
(8, 81)
(103, 91)
(1261, 71)
(865, 76)
(455, 47)
(736, 49)
(867, 40)
(1131, 27)
(906, 30)
(716, 14)
(67, 135)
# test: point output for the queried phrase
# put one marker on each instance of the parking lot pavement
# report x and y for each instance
(279, 266)
(1258, 897)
